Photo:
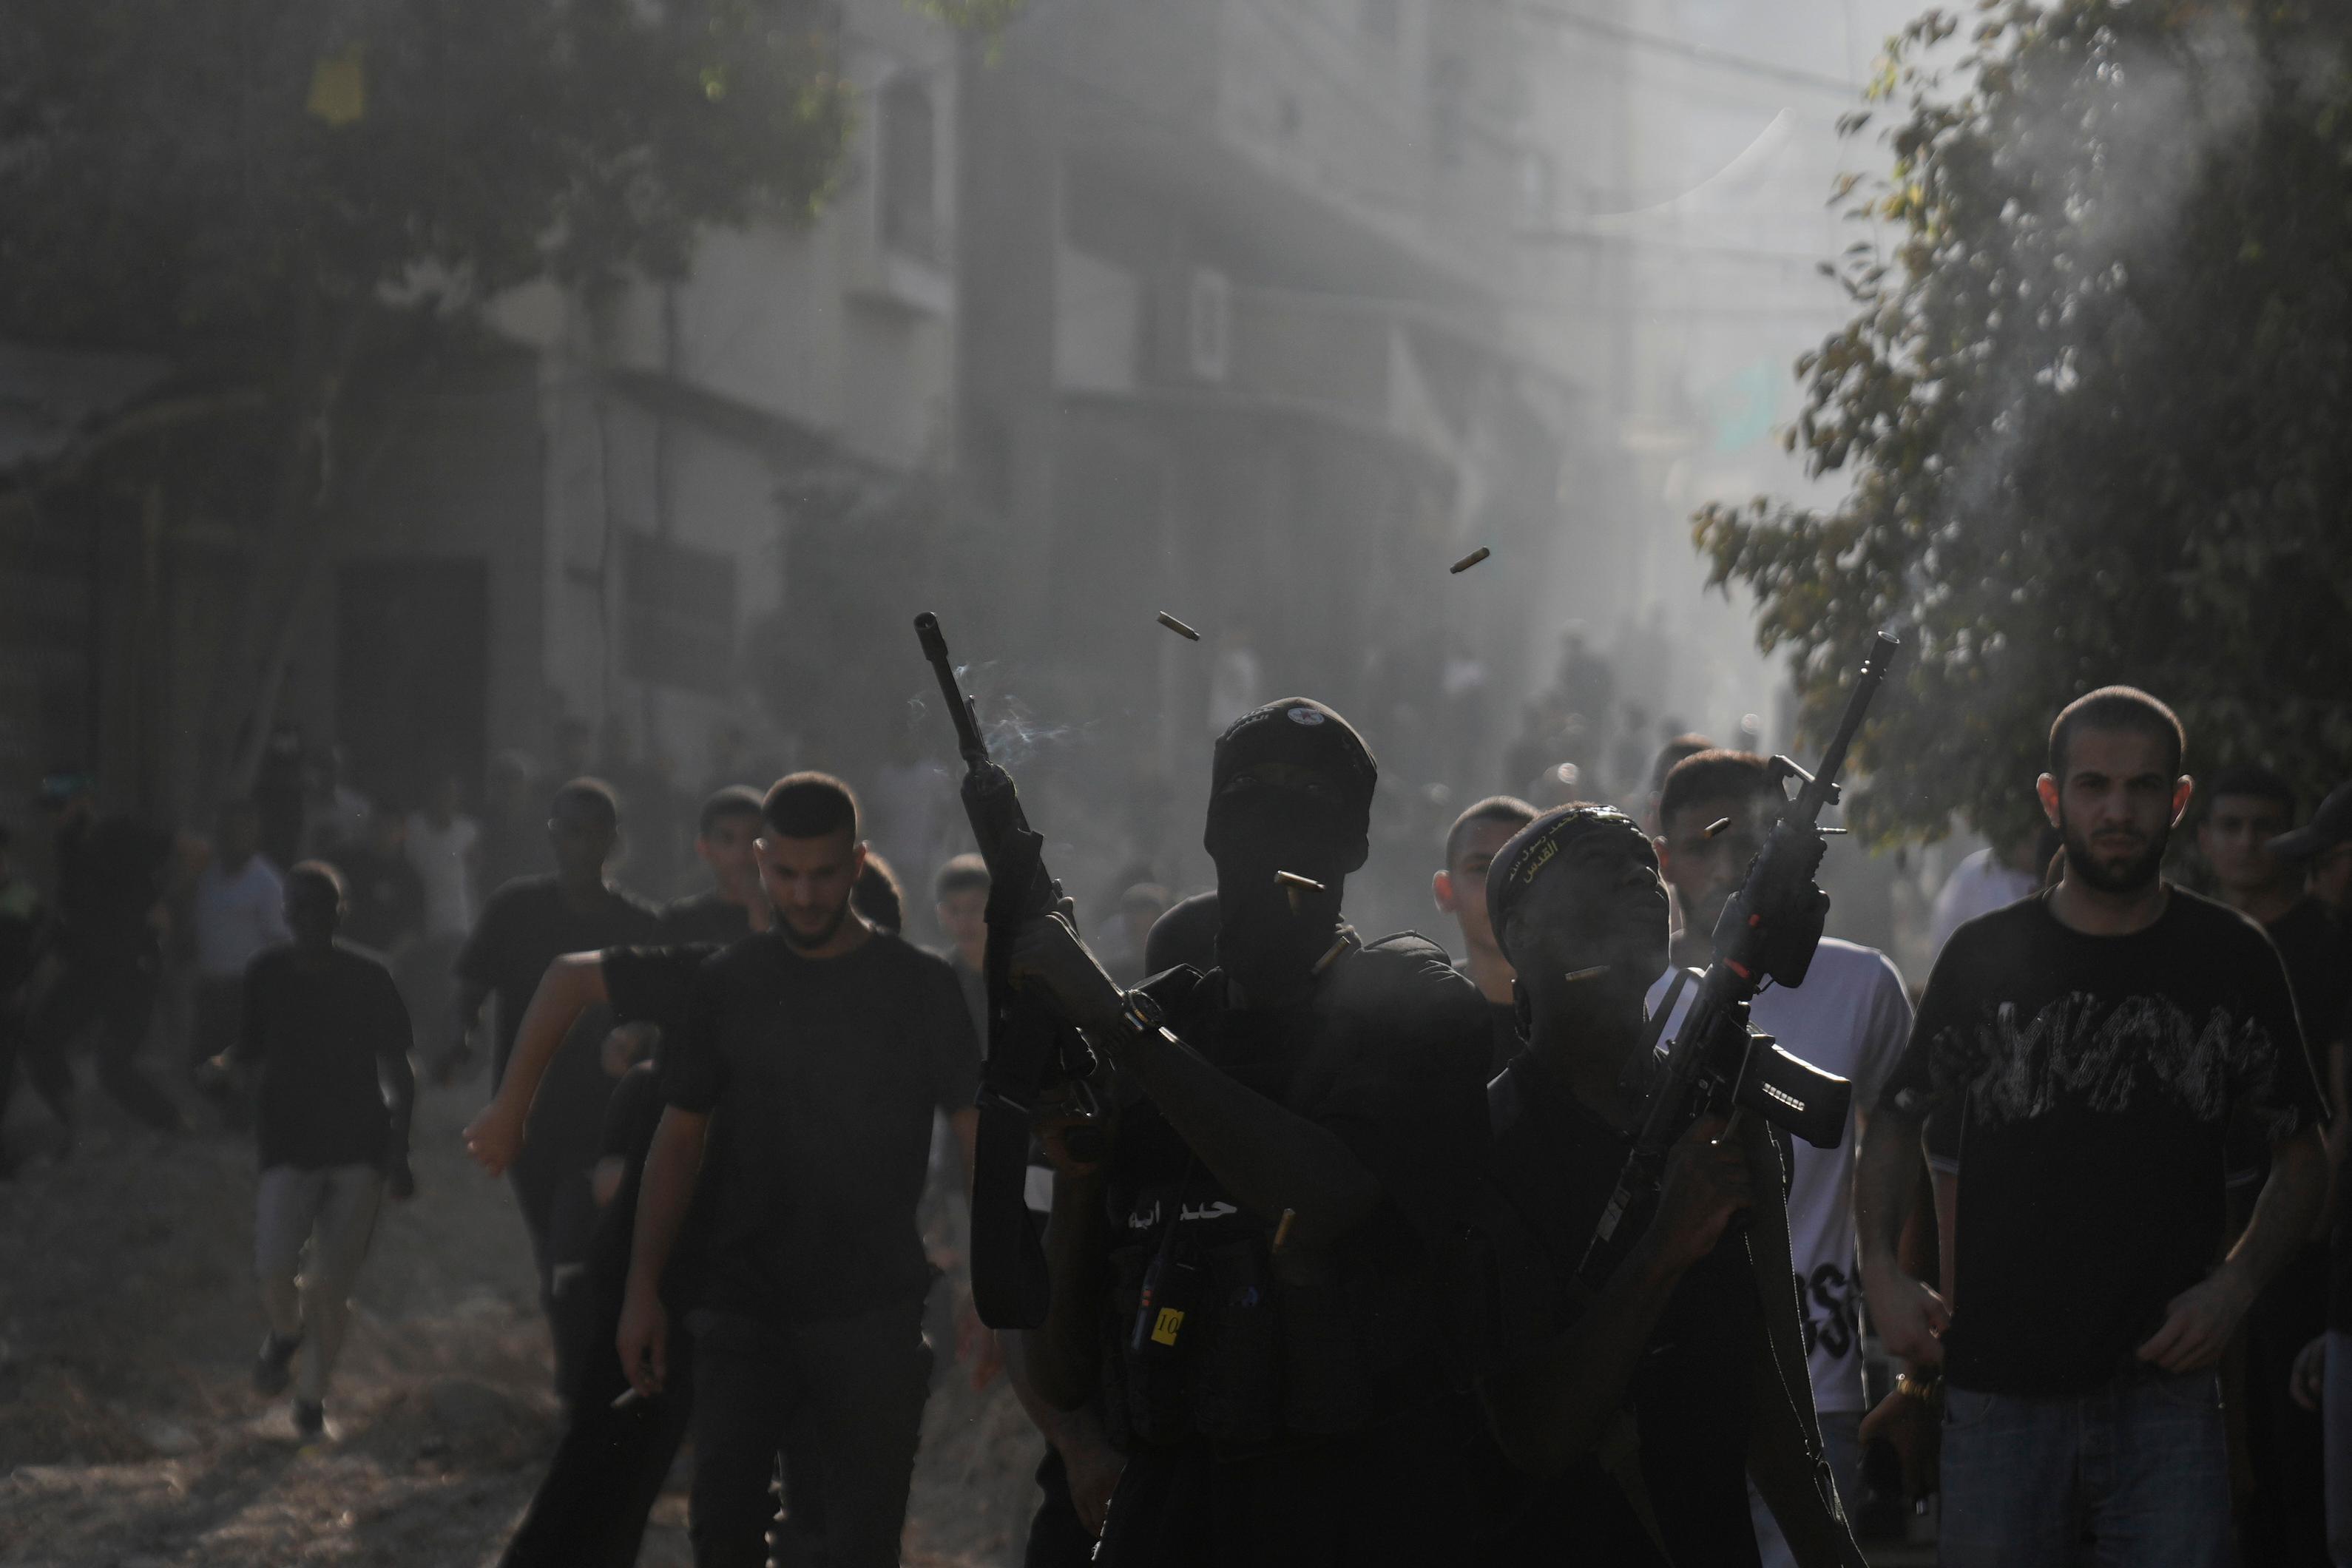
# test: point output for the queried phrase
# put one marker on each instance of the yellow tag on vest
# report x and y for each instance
(1167, 1326)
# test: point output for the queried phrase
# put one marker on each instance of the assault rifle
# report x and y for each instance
(1030, 1049)
(1769, 930)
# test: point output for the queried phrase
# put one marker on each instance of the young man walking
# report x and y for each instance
(325, 1029)
(526, 926)
(2285, 1518)
(733, 905)
(1849, 1017)
(1460, 890)
(2103, 1040)
(800, 1094)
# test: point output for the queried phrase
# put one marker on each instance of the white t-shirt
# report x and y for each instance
(441, 856)
(1977, 886)
(239, 914)
(1849, 1017)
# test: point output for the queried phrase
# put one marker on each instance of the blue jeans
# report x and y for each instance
(2137, 1474)
(2335, 1406)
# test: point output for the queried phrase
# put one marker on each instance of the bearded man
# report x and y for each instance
(2103, 1042)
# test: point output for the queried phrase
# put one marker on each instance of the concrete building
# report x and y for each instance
(1237, 347)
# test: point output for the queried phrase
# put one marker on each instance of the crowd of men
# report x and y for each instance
(1323, 1290)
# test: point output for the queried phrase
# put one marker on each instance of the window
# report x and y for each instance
(909, 193)
(679, 615)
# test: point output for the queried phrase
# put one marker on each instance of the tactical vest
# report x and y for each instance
(1202, 1336)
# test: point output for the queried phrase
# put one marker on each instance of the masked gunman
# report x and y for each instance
(1249, 1278)
(1644, 1396)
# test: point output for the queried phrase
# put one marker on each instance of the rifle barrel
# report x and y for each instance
(970, 741)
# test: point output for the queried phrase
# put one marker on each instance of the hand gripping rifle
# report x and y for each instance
(1030, 1048)
(1769, 930)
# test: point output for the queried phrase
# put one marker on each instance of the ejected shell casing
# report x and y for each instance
(1179, 628)
(1282, 1231)
(1472, 559)
(1595, 972)
(1292, 883)
(1717, 826)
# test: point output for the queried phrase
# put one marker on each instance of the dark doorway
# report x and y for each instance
(412, 686)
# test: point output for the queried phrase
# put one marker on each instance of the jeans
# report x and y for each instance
(1841, 1446)
(849, 1392)
(2133, 1476)
(2335, 1407)
(334, 1211)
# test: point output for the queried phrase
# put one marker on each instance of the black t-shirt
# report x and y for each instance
(386, 895)
(1389, 1053)
(525, 926)
(318, 1031)
(1555, 1165)
(2099, 1079)
(706, 917)
(2318, 958)
(109, 873)
(654, 984)
(822, 1076)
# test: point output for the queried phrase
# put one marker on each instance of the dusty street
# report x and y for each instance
(129, 1434)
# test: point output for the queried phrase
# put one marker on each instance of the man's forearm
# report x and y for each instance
(573, 984)
(1885, 1180)
(1548, 1415)
(1264, 1155)
(2290, 1200)
(665, 1191)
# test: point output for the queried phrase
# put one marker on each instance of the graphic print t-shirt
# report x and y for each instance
(2099, 1079)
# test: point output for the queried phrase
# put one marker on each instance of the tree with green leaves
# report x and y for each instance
(2091, 411)
(301, 206)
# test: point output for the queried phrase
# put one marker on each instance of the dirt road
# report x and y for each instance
(130, 1434)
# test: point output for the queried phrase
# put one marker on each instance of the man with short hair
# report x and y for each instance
(2247, 808)
(800, 1094)
(1460, 890)
(327, 1030)
(1849, 1017)
(239, 912)
(733, 906)
(2103, 1040)
(525, 926)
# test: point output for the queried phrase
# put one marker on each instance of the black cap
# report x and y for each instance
(2329, 826)
(1538, 846)
(1301, 730)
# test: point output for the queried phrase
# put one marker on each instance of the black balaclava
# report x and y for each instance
(1320, 832)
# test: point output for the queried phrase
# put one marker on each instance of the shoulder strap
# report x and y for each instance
(1769, 1259)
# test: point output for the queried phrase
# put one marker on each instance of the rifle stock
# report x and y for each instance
(1029, 1048)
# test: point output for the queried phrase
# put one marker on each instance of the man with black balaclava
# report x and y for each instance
(1249, 1278)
